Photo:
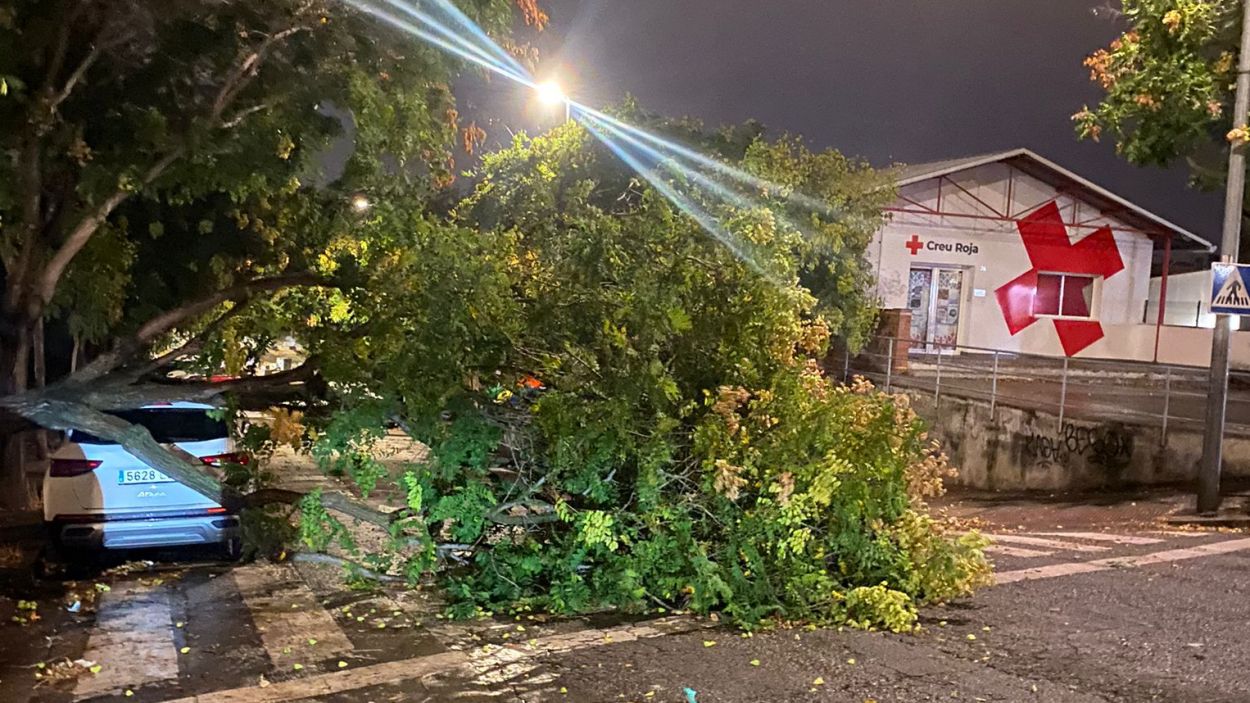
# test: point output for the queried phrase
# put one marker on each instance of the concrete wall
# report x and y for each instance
(1016, 450)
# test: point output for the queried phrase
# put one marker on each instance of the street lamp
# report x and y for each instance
(551, 93)
(360, 203)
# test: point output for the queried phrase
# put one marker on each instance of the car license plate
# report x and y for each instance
(127, 476)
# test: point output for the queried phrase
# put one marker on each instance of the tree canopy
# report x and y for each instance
(1169, 80)
(622, 407)
(162, 173)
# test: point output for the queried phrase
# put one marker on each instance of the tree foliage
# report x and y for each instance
(621, 407)
(162, 190)
(1169, 80)
(621, 411)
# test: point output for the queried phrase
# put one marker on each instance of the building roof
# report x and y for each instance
(1063, 180)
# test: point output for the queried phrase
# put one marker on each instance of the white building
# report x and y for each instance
(1010, 251)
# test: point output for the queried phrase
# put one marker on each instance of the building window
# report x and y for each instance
(1064, 295)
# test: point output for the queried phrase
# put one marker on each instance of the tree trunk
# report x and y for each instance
(16, 491)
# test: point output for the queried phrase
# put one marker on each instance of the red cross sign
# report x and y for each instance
(1052, 251)
(915, 245)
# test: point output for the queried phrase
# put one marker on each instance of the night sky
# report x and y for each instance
(887, 80)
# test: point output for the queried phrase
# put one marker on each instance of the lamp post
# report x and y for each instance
(1217, 397)
(551, 93)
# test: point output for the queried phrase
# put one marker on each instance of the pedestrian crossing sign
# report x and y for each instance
(1229, 294)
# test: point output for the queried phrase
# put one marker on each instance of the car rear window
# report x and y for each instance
(166, 425)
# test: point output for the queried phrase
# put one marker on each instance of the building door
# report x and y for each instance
(935, 296)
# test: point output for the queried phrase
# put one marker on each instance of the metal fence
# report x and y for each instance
(1166, 396)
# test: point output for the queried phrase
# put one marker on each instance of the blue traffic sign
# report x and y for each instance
(1229, 293)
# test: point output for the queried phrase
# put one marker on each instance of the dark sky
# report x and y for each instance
(889, 80)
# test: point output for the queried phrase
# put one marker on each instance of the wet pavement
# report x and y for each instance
(1098, 601)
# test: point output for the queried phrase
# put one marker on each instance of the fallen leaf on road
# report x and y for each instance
(297, 667)
(755, 662)
(709, 643)
(818, 681)
(851, 661)
(971, 637)
(184, 650)
(342, 664)
(264, 682)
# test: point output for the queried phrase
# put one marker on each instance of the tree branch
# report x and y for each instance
(242, 115)
(124, 350)
(242, 75)
(359, 569)
(64, 415)
(128, 396)
(83, 231)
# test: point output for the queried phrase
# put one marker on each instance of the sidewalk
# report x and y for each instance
(1138, 508)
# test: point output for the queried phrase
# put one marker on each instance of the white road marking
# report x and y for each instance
(1016, 551)
(474, 661)
(1104, 537)
(1170, 555)
(131, 642)
(1047, 543)
(286, 612)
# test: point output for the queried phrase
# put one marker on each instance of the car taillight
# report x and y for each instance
(232, 458)
(64, 468)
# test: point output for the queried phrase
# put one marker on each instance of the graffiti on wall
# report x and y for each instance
(1108, 447)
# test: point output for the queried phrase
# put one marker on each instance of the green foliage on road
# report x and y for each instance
(1168, 82)
(622, 409)
(685, 449)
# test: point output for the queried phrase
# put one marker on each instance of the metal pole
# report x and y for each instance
(1063, 392)
(1163, 293)
(1167, 404)
(889, 366)
(994, 386)
(846, 368)
(937, 383)
(1234, 195)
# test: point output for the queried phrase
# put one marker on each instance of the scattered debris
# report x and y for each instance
(65, 670)
(27, 612)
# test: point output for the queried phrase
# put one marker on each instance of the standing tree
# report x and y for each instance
(1169, 80)
(161, 171)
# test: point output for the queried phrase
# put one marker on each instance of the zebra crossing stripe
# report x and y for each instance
(1016, 551)
(1083, 567)
(1047, 543)
(1104, 537)
(286, 612)
(131, 641)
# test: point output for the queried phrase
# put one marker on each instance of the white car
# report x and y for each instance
(96, 495)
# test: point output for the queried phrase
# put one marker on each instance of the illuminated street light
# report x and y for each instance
(551, 93)
(360, 203)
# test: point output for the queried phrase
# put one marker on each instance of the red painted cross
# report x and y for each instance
(914, 245)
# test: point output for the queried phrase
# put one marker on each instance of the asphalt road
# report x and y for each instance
(1098, 603)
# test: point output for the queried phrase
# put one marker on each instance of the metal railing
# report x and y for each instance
(1168, 396)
